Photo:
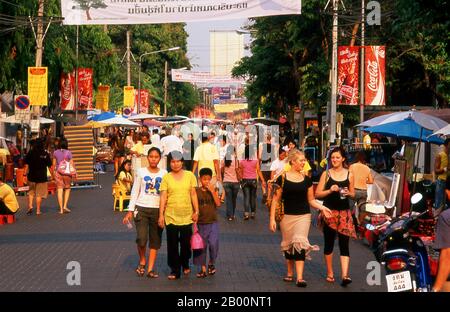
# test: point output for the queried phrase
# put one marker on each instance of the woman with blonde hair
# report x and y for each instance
(295, 191)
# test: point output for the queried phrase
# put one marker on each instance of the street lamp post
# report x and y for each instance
(139, 74)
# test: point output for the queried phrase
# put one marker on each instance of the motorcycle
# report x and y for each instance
(404, 256)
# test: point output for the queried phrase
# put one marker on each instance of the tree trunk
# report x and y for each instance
(88, 15)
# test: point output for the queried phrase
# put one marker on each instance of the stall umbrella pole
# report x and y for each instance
(416, 165)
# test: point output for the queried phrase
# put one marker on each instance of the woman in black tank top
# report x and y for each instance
(335, 187)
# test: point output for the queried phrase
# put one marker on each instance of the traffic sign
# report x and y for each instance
(22, 107)
(22, 102)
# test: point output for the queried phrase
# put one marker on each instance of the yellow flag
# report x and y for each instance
(102, 99)
(38, 85)
(128, 96)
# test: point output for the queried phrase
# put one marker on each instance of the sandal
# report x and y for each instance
(30, 211)
(173, 276)
(186, 271)
(330, 279)
(67, 210)
(288, 278)
(301, 283)
(152, 274)
(140, 270)
(202, 274)
(211, 269)
(345, 281)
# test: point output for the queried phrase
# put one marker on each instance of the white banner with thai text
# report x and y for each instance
(103, 12)
(197, 77)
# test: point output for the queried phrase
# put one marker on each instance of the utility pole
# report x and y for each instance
(128, 58)
(39, 47)
(76, 73)
(334, 74)
(165, 89)
(363, 50)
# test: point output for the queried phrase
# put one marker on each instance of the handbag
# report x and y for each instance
(196, 239)
(279, 209)
(66, 168)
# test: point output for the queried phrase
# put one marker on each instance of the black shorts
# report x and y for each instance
(147, 229)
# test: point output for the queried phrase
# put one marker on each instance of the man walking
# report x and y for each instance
(207, 156)
(37, 160)
(440, 168)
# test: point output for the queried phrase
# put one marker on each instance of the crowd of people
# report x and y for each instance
(183, 183)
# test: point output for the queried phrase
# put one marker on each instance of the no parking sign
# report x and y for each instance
(22, 108)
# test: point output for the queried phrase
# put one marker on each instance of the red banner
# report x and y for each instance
(375, 75)
(85, 90)
(348, 60)
(67, 91)
(144, 102)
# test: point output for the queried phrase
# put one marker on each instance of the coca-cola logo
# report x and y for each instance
(372, 69)
(67, 90)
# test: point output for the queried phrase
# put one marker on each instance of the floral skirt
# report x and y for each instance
(341, 222)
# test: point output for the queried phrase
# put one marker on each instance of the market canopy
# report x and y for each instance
(143, 116)
(406, 129)
(118, 120)
(426, 121)
(12, 119)
(109, 12)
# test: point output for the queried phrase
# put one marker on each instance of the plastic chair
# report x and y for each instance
(119, 196)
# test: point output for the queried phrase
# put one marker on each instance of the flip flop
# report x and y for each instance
(288, 279)
(67, 210)
(330, 279)
(345, 281)
(152, 274)
(30, 212)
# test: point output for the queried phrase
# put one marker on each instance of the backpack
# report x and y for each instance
(66, 168)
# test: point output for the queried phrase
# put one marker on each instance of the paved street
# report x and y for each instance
(36, 250)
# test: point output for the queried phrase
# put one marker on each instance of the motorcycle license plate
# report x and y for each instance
(399, 281)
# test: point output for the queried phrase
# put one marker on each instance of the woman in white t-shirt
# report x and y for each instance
(144, 204)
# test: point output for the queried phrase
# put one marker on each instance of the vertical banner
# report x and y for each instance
(128, 96)
(102, 99)
(144, 101)
(85, 88)
(375, 75)
(67, 91)
(38, 85)
(348, 65)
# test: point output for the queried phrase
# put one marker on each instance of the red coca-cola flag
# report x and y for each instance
(85, 90)
(347, 83)
(144, 102)
(67, 91)
(375, 75)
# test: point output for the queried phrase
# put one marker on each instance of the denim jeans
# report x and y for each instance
(231, 192)
(439, 194)
(249, 196)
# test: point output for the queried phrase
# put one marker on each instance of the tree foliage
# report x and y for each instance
(291, 55)
(101, 48)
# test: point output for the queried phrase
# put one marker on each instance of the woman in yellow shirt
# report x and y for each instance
(178, 209)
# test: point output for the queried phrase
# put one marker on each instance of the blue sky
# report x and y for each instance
(198, 40)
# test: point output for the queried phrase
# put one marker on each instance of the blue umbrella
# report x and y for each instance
(406, 129)
(103, 116)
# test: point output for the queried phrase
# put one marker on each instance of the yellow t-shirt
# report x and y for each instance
(306, 168)
(179, 205)
(138, 147)
(205, 154)
(367, 141)
(125, 186)
(8, 196)
(444, 164)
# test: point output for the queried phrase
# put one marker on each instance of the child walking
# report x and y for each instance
(208, 227)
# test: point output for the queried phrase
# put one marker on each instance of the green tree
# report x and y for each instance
(86, 5)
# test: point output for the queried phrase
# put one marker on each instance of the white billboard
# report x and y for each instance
(102, 12)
